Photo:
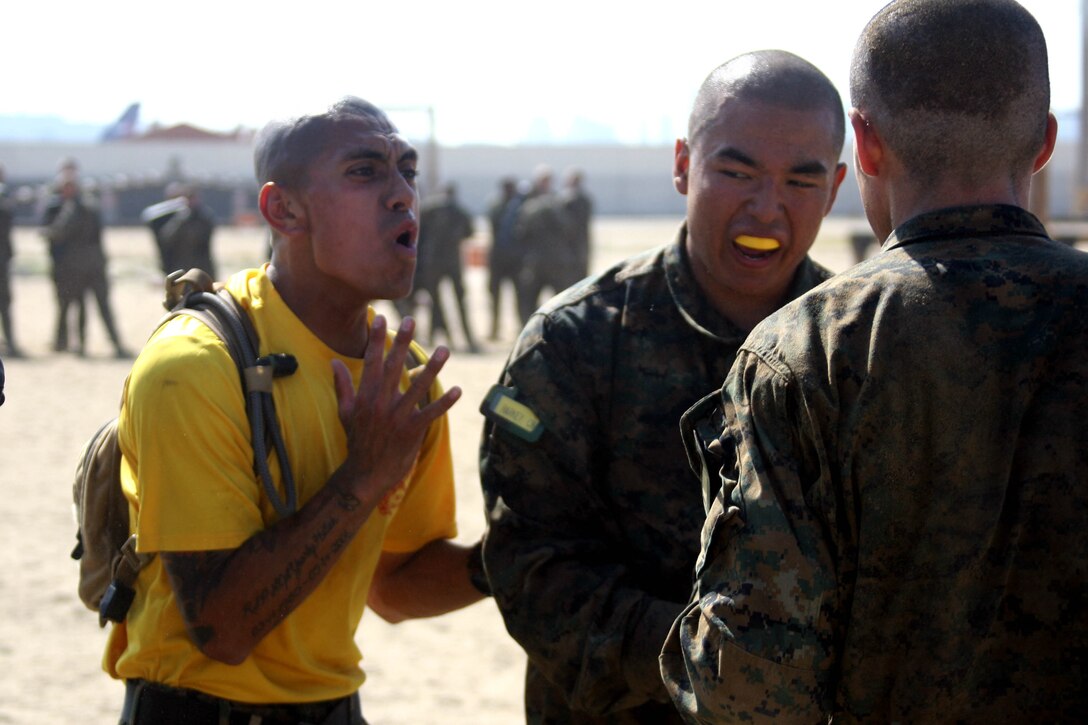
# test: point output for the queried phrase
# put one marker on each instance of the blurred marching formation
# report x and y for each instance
(539, 225)
(539, 245)
(540, 241)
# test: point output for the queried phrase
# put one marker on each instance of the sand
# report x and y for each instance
(459, 668)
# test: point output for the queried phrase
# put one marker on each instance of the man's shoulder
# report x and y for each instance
(540, 206)
(597, 302)
(182, 354)
(789, 339)
(90, 204)
(611, 287)
(249, 286)
(820, 273)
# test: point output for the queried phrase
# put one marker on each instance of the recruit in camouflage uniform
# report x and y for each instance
(593, 514)
(902, 538)
(621, 550)
(949, 420)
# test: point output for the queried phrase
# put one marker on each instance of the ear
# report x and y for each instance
(680, 165)
(1049, 142)
(868, 146)
(836, 182)
(281, 210)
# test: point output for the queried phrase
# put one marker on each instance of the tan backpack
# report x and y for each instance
(108, 562)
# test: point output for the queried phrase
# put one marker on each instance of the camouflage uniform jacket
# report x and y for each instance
(903, 536)
(593, 529)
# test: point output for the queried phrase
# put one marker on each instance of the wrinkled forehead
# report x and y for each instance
(375, 135)
(801, 129)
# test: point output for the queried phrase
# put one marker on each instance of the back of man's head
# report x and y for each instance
(542, 179)
(775, 77)
(958, 89)
(284, 149)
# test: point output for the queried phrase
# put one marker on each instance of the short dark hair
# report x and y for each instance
(957, 88)
(284, 149)
(770, 76)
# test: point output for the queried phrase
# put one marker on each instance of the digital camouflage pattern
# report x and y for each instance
(903, 536)
(593, 529)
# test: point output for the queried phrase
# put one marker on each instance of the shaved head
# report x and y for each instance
(957, 88)
(774, 77)
(284, 149)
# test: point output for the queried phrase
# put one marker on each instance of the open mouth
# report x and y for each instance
(406, 234)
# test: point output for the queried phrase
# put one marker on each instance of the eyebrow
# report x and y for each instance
(807, 168)
(370, 154)
(737, 155)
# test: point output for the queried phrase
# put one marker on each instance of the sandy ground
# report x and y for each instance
(457, 669)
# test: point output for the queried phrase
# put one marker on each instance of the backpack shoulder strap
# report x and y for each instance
(193, 293)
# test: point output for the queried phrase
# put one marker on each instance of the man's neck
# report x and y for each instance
(344, 327)
(910, 198)
(746, 311)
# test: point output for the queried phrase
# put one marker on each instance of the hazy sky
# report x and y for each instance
(491, 70)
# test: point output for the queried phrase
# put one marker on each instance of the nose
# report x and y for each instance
(765, 203)
(402, 193)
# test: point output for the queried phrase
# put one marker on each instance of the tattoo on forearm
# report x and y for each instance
(346, 500)
(196, 576)
(290, 598)
(203, 634)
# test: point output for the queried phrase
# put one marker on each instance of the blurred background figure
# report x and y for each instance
(156, 217)
(539, 234)
(861, 241)
(73, 228)
(68, 168)
(577, 207)
(504, 259)
(183, 228)
(7, 216)
(443, 226)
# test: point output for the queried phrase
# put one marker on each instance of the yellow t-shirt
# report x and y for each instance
(188, 475)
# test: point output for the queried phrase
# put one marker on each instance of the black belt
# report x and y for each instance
(149, 703)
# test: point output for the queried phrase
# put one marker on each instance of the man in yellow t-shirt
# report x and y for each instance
(243, 613)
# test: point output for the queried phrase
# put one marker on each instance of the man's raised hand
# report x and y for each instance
(385, 426)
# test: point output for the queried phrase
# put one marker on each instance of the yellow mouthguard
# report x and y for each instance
(762, 244)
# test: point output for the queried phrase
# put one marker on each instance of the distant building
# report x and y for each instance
(624, 180)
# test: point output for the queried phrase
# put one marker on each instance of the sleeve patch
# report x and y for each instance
(501, 407)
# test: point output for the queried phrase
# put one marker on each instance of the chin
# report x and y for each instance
(399, 292)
